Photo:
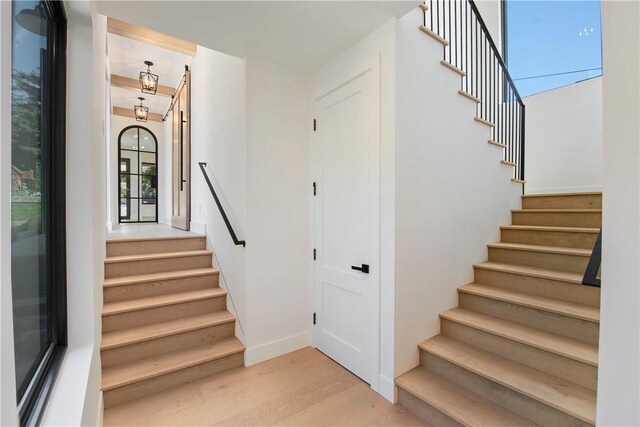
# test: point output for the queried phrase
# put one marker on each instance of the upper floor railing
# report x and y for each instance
(470, 50)
(593, 267)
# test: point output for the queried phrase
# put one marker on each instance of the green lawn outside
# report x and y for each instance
(21, 211)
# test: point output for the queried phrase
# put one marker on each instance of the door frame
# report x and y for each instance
(371, 65)
(185, 84)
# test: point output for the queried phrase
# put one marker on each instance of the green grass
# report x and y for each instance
(24, 211)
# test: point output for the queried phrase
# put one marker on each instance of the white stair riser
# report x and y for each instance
(178, 263)
(159, 287)
(560, 366)
(139, 247)
(148, 316)
(168, 381)
(141, 350)
(581, 330)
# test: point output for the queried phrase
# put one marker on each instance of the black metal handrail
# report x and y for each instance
(590, 277)
(484, 76)
(222, 212)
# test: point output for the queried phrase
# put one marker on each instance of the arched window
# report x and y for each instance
(138, 175)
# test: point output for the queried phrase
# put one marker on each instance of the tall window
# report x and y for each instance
(37, 200)
(550, 44)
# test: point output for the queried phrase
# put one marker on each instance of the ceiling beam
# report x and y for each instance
(128, 112)
(129, 83)
(151, 37)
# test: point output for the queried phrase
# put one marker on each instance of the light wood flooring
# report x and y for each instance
(303, 388)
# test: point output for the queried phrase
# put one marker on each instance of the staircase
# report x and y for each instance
(522, 346)
(164, 319)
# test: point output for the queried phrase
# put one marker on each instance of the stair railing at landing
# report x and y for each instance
(470, 50)
(590, 277)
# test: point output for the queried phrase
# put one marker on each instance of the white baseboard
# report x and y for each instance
(197, 227)
(276, 348)
(581, 189)
(387, 388)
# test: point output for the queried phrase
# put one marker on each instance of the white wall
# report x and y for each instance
(491, 13)
(8, 413)
(278, 251)
(75, 398)
(380, 43)
(618, 373)
(218, 137)
(164, 165)
(452, 193)
(563, 137)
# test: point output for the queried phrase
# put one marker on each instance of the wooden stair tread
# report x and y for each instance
(587, 193)
(539, 248)
(154, 256)
(129, 373)
(555, 392)
(557, 344)
(156, 277)
(564, 308)
(158, 330)
(151, 239)
(550, 228)
(542, 273)
(161, 300)
(456, 402)
(557, 210)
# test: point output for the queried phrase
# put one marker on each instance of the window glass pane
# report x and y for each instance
(147, 142)
(129, 139)
(30, 194)
(552, 43)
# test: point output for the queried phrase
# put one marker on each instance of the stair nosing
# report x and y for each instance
(586, 193)
(551, 229)
(437, 405)
(152, 239)
(163, 303)
(153, 336)
(150, 277)
(467, 290)
(544, 273)
(175, 368)
(156, 256)
(556, 210)
(528, 342)
(491, 376)
(558, 250)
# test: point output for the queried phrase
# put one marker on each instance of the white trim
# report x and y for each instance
(581, 189)
(276, 348)
(387, 388)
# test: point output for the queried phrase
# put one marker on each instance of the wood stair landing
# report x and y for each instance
(164, 318)
(522, 347)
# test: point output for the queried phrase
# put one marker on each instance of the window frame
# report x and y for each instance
(33, 402)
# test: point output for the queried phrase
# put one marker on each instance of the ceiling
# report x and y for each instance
(126, 58)
(298, 34)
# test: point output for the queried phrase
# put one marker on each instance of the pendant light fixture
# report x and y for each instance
(141, 112)
(148, 81)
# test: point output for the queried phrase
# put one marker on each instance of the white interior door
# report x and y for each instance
(346, 231)
(181, 176)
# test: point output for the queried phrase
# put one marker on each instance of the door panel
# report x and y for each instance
(346, 169)
(181, 170)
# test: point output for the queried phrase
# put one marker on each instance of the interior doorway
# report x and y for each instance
(137, 175)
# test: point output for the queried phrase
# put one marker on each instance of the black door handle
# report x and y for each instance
(364, 268)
